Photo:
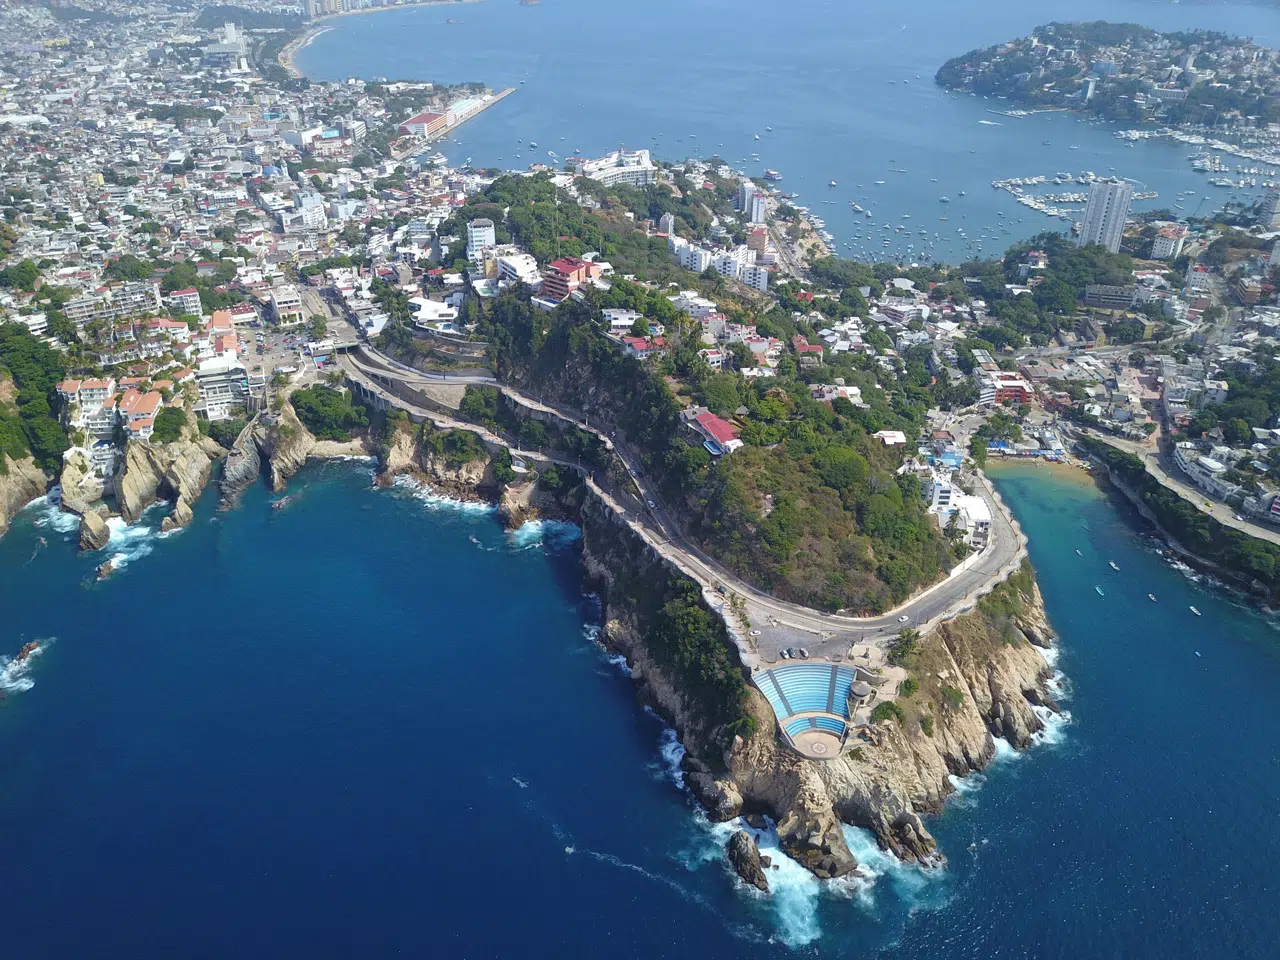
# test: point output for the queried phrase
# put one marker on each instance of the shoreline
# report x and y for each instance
(320, 25)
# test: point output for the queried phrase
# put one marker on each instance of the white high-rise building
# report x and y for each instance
(1271, 210)
(746, 193)
(1105, 214)
(481, 236)
(756, 212)
(667, 223)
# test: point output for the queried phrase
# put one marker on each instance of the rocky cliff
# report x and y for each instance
(176, 471)
(21, 481)
(976, 677)
(81, 487)
(285, 444)
(242, 466)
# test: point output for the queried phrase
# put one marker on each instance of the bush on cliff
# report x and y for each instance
(689, 641)
(31, 426)
(329, 414)
(168, 425)
(887, 710)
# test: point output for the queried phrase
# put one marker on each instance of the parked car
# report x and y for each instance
(903, 619)
(804, 652)
(785, 654)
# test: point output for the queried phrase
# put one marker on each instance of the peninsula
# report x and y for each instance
(775, 455)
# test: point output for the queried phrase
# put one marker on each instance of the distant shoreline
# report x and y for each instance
(314, 28)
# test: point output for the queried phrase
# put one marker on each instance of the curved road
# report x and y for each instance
(781, 624)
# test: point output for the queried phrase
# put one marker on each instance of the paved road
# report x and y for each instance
(829, 634)
(1162, 467)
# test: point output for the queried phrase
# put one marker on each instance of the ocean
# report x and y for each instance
(846, 88)
(375, 723)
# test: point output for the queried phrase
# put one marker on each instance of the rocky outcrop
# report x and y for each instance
(81, 486)
(286, 446)
(242, 467)
(744, 857)
(176, 471)
(21, 481)
(467, 480)
(979, 676)
(94, 532)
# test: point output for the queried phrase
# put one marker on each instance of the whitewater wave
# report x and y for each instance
(14, 673)
(436, 501)
(553, 534)
(129, 542)
(1055, 726)
(47, 513)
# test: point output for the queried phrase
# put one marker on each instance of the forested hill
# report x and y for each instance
(811, 509)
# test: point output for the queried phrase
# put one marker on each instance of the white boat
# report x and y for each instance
(1101, 594)
(1079, 554)
(831, 183)
(1112, 565)
(1151, 597)
(1197, 613)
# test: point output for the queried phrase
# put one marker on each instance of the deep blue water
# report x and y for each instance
(847, 88)
(370, 725)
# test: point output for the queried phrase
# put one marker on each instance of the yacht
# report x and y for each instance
(1101, 594)
(831, 184)
(1151, 597)
(1112, 565)
(1197, 613)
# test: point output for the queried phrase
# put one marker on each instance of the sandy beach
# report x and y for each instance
(316, 27)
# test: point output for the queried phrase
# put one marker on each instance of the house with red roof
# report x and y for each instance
(719, 436)
(642, 347)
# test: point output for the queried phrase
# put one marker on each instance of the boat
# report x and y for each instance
(768, 129)
(1197, 653)
(1112, 565)
(533, 145)
(944, 199)
(1079, 554)
(962, 193)
(1151, 597)
(831, 183)
(880, 183)
(1195, 611)
(772, 174)
(1099, 589)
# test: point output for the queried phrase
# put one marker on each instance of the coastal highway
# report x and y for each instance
(780, 623)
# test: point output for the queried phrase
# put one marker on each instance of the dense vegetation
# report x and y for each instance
(548, 229)
(811, 508)
(1195, 530)
(328, 413)
(168, 425)
(28, 424)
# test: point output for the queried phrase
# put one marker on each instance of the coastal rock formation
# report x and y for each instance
(242, 467)
(744, 856)
(94, 532)
(81, 486)
(445, 473)
(286, 446)
(21, 481)
(177, 471)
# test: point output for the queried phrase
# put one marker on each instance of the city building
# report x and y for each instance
(1271, 210)
(481, 236)
(1002, 386)
(564, 276)
(1168, 242)
(720, 437)
(1105, 214)
(124, 300)
(634, 167)
(286, 306)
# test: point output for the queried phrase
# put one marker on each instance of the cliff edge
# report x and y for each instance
(21, 481)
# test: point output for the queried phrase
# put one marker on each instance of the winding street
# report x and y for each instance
(773, 624)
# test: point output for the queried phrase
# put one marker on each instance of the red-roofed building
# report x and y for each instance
(642, 347)
(564, 276)
(424, 124)
(809, 354)
(719, 435)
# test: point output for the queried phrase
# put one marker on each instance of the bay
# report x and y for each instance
(374, 723)
(847, 88)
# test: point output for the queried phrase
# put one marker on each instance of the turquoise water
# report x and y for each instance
(847, 88)
(372, 724)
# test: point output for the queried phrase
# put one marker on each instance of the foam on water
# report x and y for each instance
(14, 673)
(436, 501)
(1055, 726)
(554, 534)
(1005, 751)
(48, 513)
(129, 542)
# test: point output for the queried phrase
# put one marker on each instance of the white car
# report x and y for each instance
(755, 633)
(903, 619)
(650, 503)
